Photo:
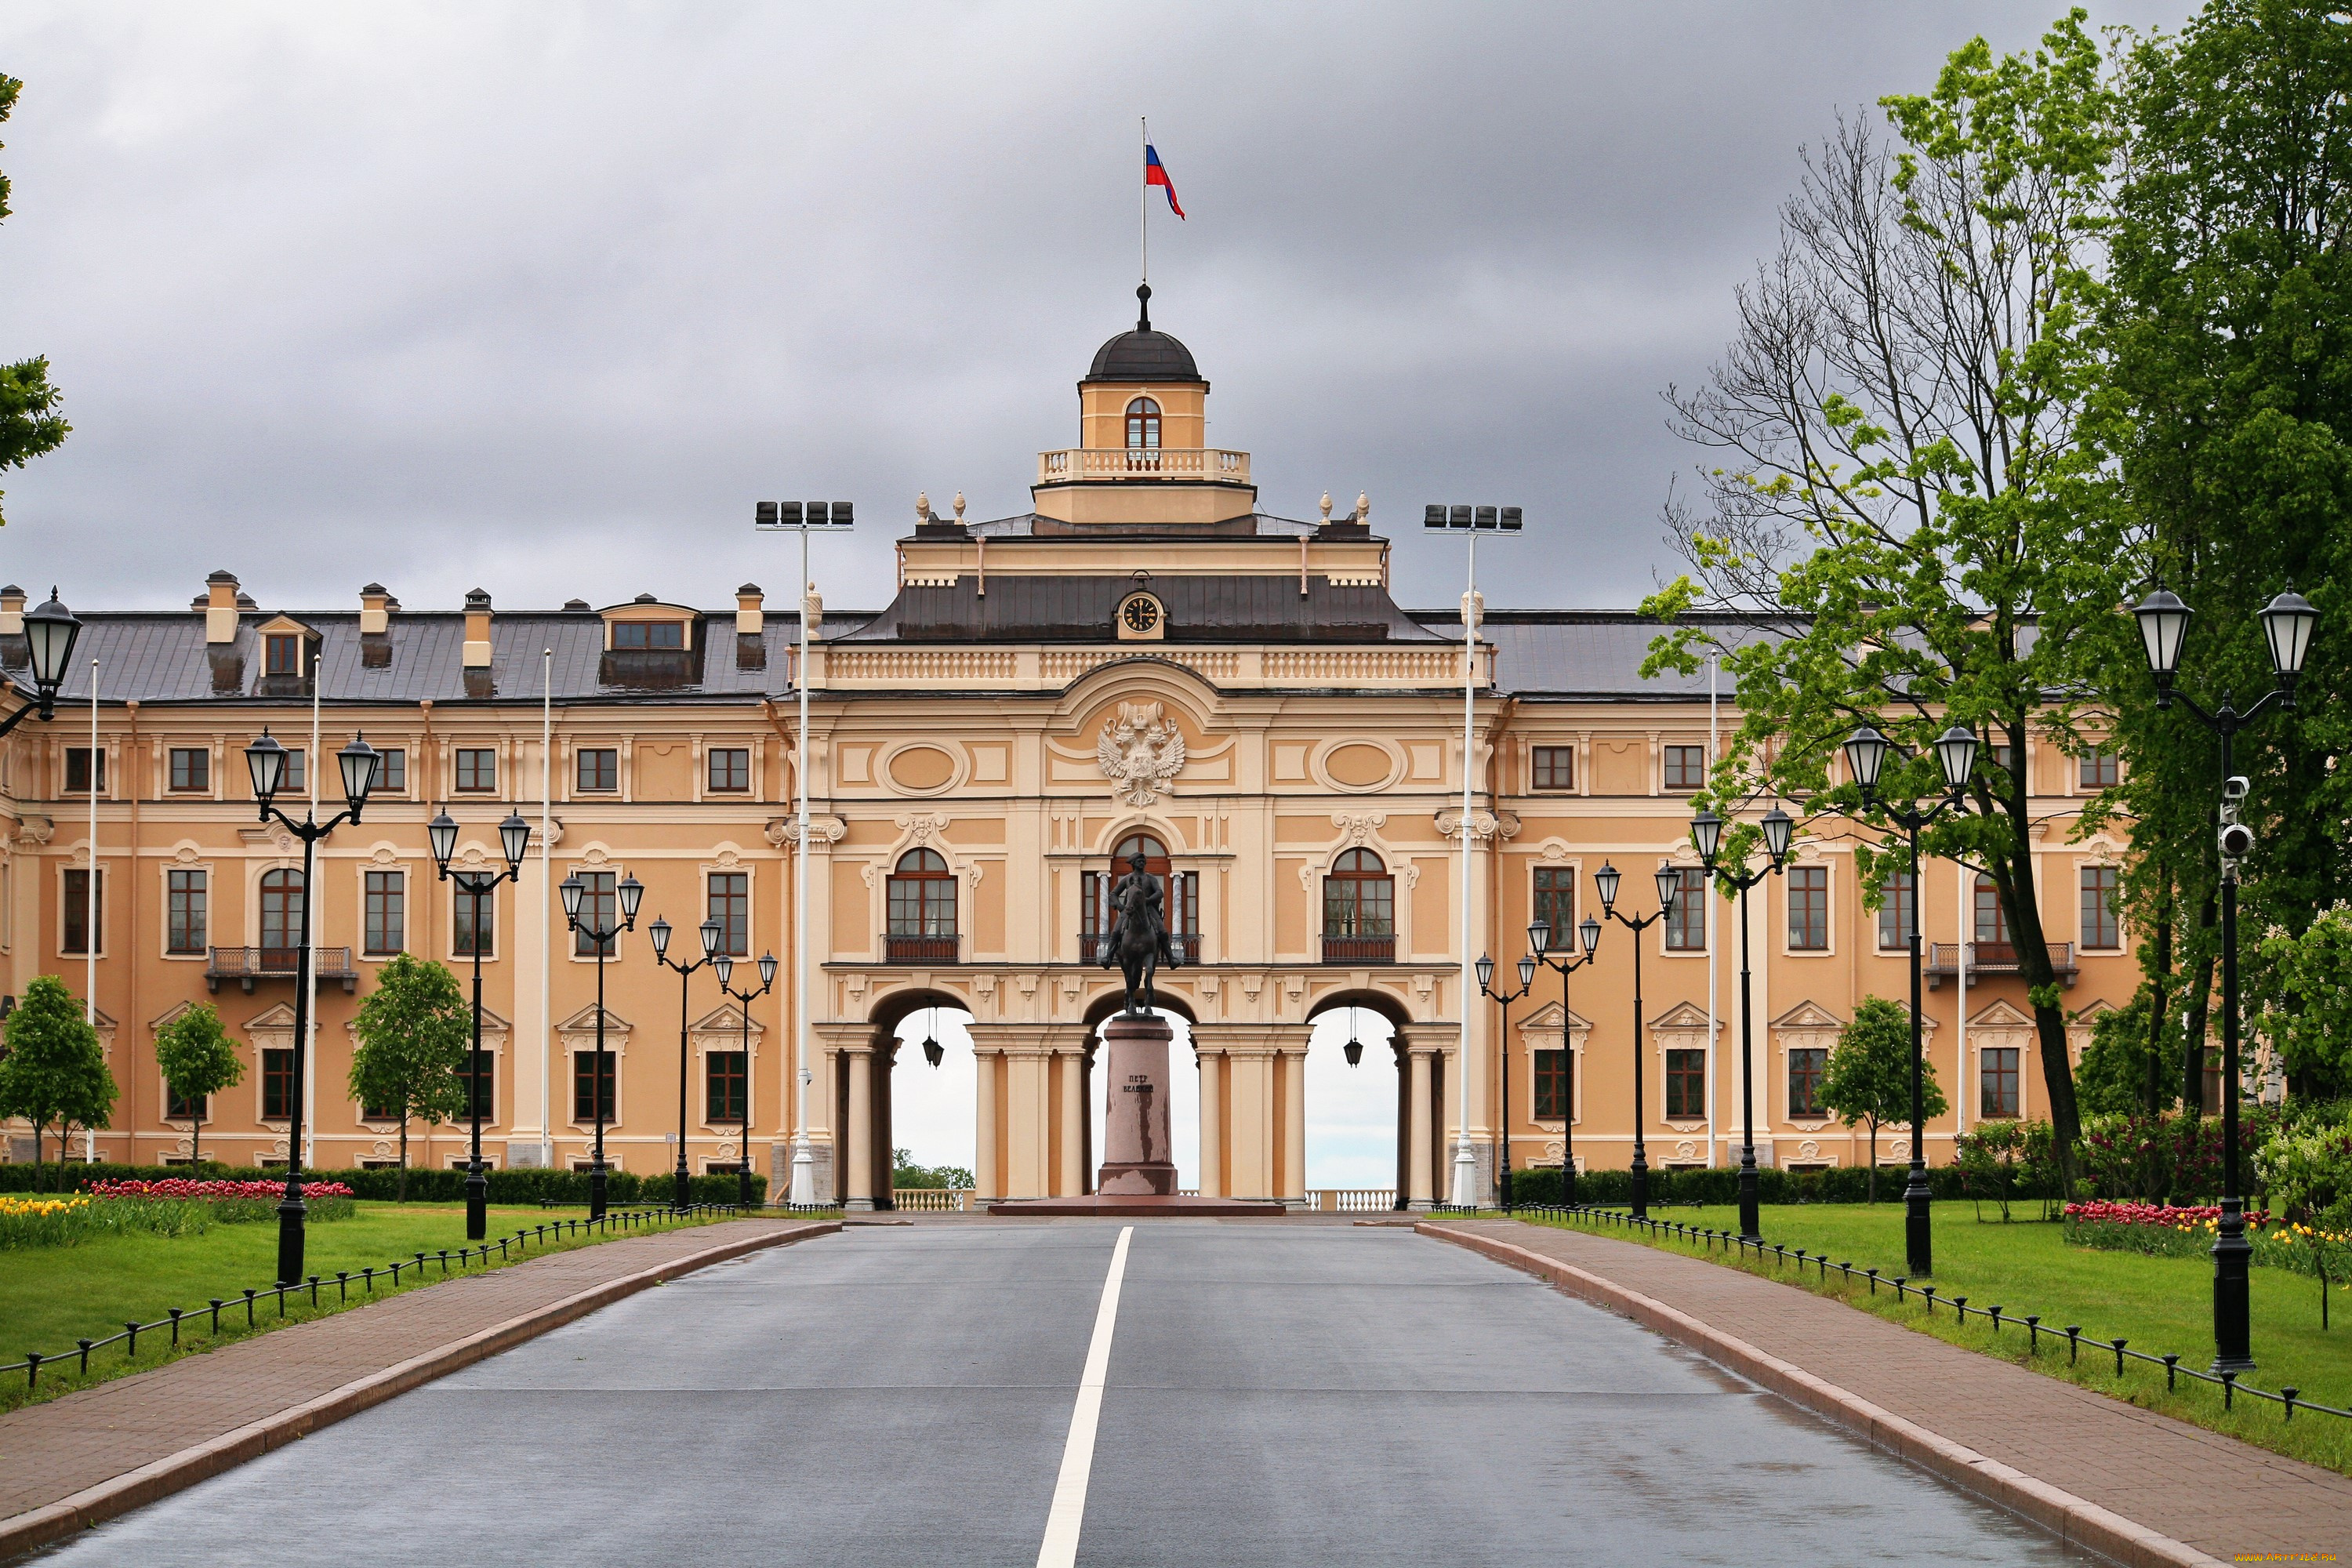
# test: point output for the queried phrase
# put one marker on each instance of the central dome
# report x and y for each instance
(1144, 354)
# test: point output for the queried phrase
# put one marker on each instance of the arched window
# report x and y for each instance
(1181, 891)
(281, 918)
(1143, 426)
(922, 910)
(1359, 909)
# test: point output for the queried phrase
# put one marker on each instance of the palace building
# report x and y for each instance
(1147, 659)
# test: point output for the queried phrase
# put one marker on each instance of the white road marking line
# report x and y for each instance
(1070, 1509)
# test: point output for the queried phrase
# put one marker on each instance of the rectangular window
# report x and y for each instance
(1992, 921)
(369, 1112)
(1686, 925)
(277, 1084)
(723, 1088)
(178, 1107)
(649, 634)
(477, 769)
(1809, 908)
(192, 768)
(474, 923)
(597, 769)
(1806, 1065)
(83, 916)
(585, 1085)
(392, 772)
(1998, 1088)
(600, 906)
(2098, 770)
(1898, 912)
(2003, 756)
(1685, 768)
(183, 911)
(484, 1083)
(1555, 903)
(295, 778)
(79, 759)
(731, 906)
(1685, 1084)
(387, 912)
(1552, 1085)
(1555, 767)
(730, 769)
(284, 656)
(2100, 927)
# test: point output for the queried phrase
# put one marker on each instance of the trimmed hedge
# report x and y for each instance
(1838, 1184)
(507, 1186)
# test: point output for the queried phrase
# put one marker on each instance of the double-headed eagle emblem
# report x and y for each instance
(1139, 751)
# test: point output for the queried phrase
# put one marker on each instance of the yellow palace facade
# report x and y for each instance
(1146, 660)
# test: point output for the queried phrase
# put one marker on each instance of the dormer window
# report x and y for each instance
(284, 655)
(648, 635)
(1143, 426)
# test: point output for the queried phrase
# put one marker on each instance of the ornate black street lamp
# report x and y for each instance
(1486, 967)
(724, 969)
(1707, 833)
(574, 891)
(2287, 622)
(266, 761)
(1670, 886)
(50, 633)
(1539, 940)
(514, 838)
(713, 934)
(1956, 755)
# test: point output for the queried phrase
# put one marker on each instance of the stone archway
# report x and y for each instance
(1421, 1146)
(862, 1095)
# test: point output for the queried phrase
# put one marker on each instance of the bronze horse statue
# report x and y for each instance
(1137, 940)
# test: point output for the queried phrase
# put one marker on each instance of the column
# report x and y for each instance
(1073, 1126)
(1253, 1145)
(987, 1066)
(1418, 1194)
(858, 1178)
(1026, 1124)
(1292, 1065)
(1213, 1121)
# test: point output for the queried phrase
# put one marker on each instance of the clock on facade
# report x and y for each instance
(1139, 617)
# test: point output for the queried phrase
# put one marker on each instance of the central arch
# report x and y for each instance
(1373, 1013)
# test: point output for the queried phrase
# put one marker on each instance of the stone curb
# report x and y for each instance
(136, 1489)
(2075, 1522)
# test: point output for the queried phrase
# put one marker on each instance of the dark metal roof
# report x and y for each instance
(1595, 654)
(1143, 356)
(1220, 609)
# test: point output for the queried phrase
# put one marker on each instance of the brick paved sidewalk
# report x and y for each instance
(92, 1441)
(2213, 1493)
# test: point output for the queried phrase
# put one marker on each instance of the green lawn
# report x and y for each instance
(2160, 1305)
(52, 1296)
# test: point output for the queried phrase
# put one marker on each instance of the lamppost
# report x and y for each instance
(1670, 886)
(1956, 755)
(266, 761)
(514, 838)
(50, 633)
(799, 517)
(574, 890)
(712, 933)
(1707, 833)
(1486, 967)
(2287, 621)
(1539, 939)
(724, 969)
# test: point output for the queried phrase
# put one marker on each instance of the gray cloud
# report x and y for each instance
(541, 298)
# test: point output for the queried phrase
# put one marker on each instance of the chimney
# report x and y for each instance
(14, 652)
(375, 626)
(221, 602)
(475, 656)
(750, 624)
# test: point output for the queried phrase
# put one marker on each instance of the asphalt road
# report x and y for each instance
(1275, 1393)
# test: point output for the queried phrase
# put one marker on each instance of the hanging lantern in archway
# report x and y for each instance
(1354, 1047)
(933, 1052)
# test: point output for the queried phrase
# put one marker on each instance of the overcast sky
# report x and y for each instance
(540, 298)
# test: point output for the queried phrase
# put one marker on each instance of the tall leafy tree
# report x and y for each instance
(1868, 1076)
(30, 424)
(1906, 517)
(414, 1029)
(2231, 315)
(53, 1070)
(197, 1059)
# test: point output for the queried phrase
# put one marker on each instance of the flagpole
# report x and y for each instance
(1143, 203)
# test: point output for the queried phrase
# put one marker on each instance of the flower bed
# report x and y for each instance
(2160, 1230)
(231, 1203)
(167, 1208)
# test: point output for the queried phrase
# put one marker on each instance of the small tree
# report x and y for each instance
(1869, 1074)
(197, 1059)
(414, 1030)
(53, 1070)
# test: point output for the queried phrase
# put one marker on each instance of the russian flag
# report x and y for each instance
(1156, 173)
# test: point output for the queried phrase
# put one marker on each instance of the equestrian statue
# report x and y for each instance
(1137, 941)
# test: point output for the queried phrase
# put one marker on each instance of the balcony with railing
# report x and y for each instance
(247, 964)
(1196, 465)
(1359, 949)
(897, 949)
(1990, 958)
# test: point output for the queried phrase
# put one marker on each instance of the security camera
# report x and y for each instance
(2235, 789)
(2237, 840)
